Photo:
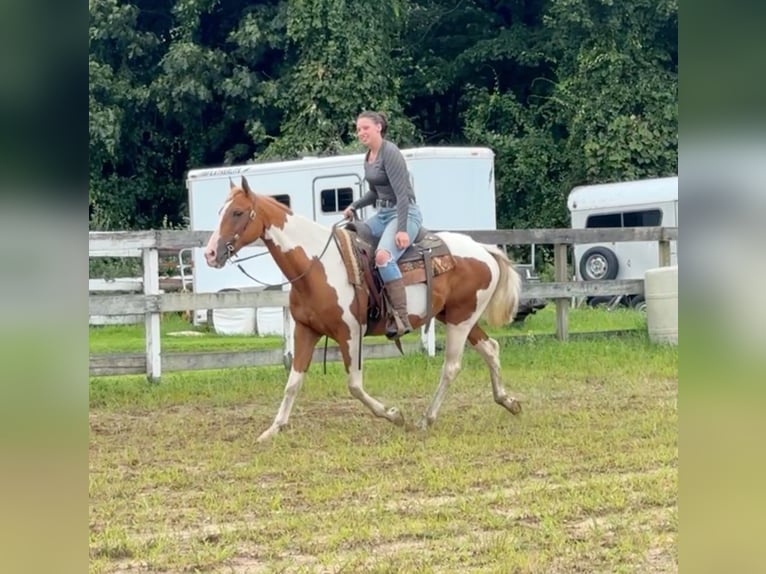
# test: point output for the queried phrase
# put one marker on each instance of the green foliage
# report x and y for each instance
(616, 92)
(564, 91)
(343, 56)
(531, 168)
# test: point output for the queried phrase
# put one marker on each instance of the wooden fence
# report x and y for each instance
(152, 303)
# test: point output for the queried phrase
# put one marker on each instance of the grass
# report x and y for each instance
(585, 480)
(130, 338)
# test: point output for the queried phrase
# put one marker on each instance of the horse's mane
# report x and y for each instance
(260, 197)
(271, 200)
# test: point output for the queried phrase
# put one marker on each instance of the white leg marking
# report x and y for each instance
(305, 339)
(356, 388)
(490, 352)
(453, 355)
(294, 383)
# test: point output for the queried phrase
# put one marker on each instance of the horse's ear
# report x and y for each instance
(231, 184)
(245, 185)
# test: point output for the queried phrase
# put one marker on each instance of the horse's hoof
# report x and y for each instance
(267, 434)
(395, 416)
(514, 407)
(423, 424)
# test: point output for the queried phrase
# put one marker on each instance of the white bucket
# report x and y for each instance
(661, 294)
(239, 321)
(271, 321)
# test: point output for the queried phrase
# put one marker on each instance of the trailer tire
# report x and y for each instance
(598, 264)
(638, 302)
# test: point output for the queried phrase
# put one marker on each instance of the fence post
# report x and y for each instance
(151, 261)
(562, 304)
(664, 247)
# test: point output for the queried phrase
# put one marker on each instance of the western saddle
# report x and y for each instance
(426, 257)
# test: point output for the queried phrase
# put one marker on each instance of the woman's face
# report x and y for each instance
(367, 131)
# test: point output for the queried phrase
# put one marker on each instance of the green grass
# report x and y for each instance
(130, 338)
(585, 480)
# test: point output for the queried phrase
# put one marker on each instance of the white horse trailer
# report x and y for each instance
(642, 203)
(455, 188)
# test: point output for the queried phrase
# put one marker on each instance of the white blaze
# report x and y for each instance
(212, 244)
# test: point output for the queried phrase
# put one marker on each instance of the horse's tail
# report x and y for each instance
(504, 303)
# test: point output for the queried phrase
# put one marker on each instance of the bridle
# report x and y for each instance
(230, 244)
(230, 256)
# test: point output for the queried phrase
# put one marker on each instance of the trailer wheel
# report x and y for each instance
(598, 264)
(638, 302)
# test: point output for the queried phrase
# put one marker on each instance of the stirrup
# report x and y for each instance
(394, 335)
(401, 329)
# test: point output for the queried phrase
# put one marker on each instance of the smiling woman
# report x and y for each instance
(398, 219)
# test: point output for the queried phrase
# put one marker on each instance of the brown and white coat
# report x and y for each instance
(323, 302)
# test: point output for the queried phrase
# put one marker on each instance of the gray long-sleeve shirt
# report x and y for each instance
(389, 180)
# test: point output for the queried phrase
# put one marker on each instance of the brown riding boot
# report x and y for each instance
(400, 323)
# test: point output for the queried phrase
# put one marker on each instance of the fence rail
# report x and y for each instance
(102, 243)
(152, 303)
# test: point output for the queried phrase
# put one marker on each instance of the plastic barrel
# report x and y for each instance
(233, 321)
(661, 294)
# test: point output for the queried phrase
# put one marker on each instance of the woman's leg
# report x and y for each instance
(386, 257)
(388, 253)
(376, 224)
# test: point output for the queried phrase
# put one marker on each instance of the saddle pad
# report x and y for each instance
(415, 272)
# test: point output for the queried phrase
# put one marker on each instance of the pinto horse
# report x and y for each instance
(482, 283)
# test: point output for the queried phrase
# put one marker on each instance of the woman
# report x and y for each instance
(398, 218)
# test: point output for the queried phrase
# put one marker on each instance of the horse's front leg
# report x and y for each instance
(305, 339)
(352, 360)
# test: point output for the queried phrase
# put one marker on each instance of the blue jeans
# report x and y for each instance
(384, 225)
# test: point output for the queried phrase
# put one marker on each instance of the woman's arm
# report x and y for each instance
(367, 199)
(399, 178)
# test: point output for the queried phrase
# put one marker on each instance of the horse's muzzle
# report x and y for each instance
(216, 257)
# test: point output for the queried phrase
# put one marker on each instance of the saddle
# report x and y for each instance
(426, 257)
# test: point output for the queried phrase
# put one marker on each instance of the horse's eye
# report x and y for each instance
(238, 213)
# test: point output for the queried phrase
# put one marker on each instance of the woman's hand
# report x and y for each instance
(348, 213)
(402, 239)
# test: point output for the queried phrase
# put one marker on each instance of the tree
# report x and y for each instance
(342, 60)
(616, 90)
(563, 91)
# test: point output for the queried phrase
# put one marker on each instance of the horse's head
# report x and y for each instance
(238, 226)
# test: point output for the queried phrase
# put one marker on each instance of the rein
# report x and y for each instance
(314, 259)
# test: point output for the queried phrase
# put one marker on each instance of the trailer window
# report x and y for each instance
(283, 199)
(336, 200)
(646, 218)
(604, 220)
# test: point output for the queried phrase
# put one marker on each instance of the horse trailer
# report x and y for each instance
(455, 188)
(642, 203)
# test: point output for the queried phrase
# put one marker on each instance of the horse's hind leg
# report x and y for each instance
(489, 350)
(453, 355)
(305, 341)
